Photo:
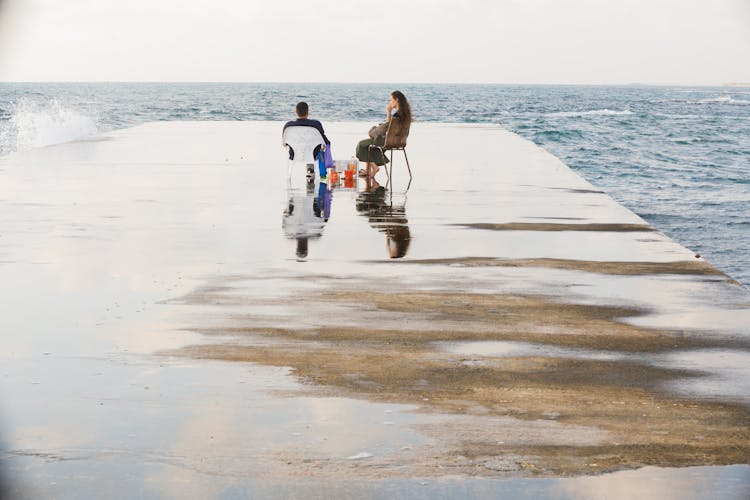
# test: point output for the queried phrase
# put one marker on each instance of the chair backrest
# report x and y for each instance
(303, 140)
(398, 132)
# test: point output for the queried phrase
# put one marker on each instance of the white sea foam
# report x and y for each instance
(732, 100)
(715, 100)
(593, 112)
(34, 125)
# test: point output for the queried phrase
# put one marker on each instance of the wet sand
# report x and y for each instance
(533, 327)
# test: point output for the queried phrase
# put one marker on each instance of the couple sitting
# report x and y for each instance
(398, 108)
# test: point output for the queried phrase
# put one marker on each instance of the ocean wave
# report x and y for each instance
(34, 124)
(714, 100)
(557, 135)
(725, 99)
(593, 112)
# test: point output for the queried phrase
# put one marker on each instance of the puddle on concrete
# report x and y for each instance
(187, 229)
(720, 374)
(725, 378)
(650, 483)
(172, 421)
(512, 349)
(306, 213)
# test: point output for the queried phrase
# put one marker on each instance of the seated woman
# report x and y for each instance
(374, 158)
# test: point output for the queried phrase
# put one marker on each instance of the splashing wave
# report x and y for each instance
(35, 124)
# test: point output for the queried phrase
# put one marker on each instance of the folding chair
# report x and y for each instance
(395, 140)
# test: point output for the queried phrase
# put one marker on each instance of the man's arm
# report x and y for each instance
(319, 126)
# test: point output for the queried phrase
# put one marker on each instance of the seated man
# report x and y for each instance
(303, 121)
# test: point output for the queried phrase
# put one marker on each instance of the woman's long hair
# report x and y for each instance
(404, 109)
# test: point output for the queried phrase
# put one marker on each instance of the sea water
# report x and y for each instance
(677, 156)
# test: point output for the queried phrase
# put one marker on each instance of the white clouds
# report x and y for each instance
(534, 41)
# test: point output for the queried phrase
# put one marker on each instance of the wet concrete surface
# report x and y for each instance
(166, 333)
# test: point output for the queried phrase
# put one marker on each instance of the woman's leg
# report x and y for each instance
(363, 150)
(362, 153)
(372, 157)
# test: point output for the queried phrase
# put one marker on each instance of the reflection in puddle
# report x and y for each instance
(306, 214)
(649, 483)
(652, 483)
(724, 373)
(510, 349)
(386, 212)
(181, 423)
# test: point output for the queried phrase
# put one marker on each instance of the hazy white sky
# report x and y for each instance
(503, 41)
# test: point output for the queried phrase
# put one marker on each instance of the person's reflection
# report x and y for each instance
(387, 216)
(306, 214)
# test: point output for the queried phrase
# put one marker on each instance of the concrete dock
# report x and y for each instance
(497, 327)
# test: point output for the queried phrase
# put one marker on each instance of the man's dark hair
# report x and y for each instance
(302, 109)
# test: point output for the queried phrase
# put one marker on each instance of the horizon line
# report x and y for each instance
(562, 84)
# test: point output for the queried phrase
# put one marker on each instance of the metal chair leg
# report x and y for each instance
(407, 162)
(391, 166)
(389, 171)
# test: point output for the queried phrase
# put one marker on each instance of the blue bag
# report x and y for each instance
(322, 164)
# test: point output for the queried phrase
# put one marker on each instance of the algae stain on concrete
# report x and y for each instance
(622, 402)
(635, 268)
(558, 226)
